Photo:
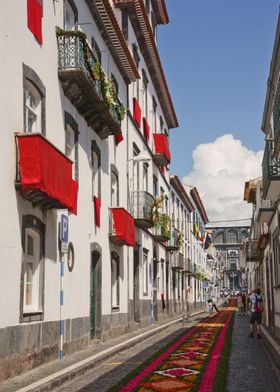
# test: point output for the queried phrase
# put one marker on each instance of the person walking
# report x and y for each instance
(256, 309)
(243, 297)
(239, 304)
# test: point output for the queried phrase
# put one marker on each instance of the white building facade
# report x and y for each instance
(86, 201)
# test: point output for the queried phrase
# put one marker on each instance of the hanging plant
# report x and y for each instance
(180, 239)
(121, 111)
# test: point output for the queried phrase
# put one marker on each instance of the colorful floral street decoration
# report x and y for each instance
(187, 365)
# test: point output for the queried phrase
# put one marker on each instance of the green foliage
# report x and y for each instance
(108, 93)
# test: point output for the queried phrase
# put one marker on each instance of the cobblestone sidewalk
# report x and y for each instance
(251, 367)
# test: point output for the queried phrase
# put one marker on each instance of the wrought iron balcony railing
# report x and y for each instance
(162, 227)
(271, 173)
(252, 252)
(141, 208)
(86, 85)
(174, 241)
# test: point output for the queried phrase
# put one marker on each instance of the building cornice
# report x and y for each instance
(145, 37)
(104, 16)
(272, 81)
(177, 185)
(199, 205)
(160, 11)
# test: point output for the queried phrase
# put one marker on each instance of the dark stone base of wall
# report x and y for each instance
(27, 346)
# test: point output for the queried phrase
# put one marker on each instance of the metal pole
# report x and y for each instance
(61, 322)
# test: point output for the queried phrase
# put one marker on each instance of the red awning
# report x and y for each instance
(162, 145)
(137, 112)
(124, 226)
(44, 168)
(146, 127)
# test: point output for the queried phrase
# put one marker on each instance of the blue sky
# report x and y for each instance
(216, 56)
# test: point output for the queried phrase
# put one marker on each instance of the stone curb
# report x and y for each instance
(272, 346)
(57, 379)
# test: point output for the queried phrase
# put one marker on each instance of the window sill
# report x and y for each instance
(115, 309)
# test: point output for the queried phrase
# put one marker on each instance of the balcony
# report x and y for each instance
(174, 241)
(86, 85)
(121, 227)
(252, 252)
(276, 120)
(141, 208)
(162, 226)
(271, 173)
(266, 209)
(189, 267)
(161, 154)
(44, 174)
(178, 261)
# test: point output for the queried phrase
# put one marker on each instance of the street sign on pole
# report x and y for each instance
(63, 235)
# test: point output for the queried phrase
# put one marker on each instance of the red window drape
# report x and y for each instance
(34, 18)
(146, 127)
(137, 112)
(118, 138)
(43, 167)
(97, 210)
(162, 145)
(124, 226)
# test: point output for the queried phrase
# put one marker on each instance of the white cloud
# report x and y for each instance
(219, 172)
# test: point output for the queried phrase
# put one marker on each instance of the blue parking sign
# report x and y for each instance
(64, 229)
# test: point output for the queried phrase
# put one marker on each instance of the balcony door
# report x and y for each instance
(136, 305)
(95, 295)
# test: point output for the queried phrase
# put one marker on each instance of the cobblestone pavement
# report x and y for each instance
(251, 368)
(107, 374)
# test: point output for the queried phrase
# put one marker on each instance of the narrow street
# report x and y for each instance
(251, 367)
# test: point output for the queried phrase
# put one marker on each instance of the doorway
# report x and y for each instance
(95, 295)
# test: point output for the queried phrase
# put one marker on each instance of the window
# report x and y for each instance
(70, 15)
(34, 102)
(115, 280)
(136, 173)
(145, 272)
(115, 83)
(96, 169)
(154, 115)
(135, 54)
(154, 25)
(162, 276)
(145, 177)
(34, 18)
(145, 94)
(114, 188)
(31, 272)
(147, 5)
(276, 255)
(155, 186)
(32, 108)
(96, 50)
(71, 143)
(231, 237)
(219, 238)
(125, 23)
(161, 124)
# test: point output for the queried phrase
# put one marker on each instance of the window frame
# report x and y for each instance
(31, 225)
(31, 81)
(115, 281)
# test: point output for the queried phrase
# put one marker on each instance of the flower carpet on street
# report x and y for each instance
(188, 364)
